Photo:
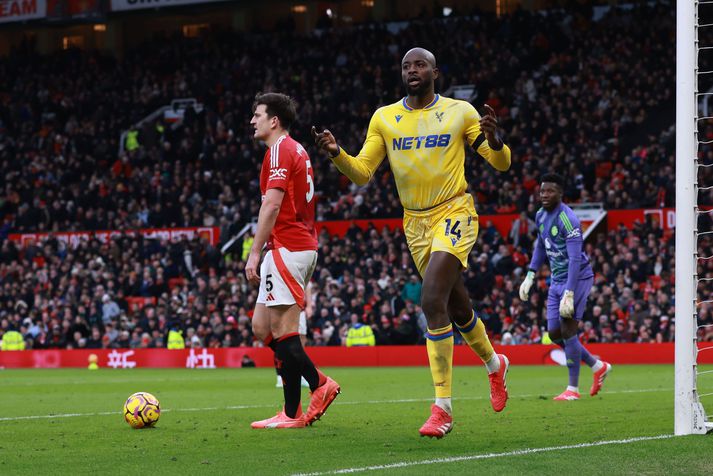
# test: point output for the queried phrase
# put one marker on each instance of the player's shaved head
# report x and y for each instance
(420, 53)
(419, 72)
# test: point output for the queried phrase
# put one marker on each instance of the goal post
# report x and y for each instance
(689, 416)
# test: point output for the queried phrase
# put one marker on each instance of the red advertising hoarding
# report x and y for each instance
(73, 9)
(74, 238)
(22, 10)
(503, 223)
(666, 217)
(379, 356)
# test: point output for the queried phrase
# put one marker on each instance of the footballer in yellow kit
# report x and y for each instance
(424, 137)
(426, 151)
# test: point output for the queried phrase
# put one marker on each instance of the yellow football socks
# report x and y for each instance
(476, 337)
(439, 343)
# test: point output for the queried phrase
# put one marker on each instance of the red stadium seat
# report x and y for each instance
(604, 169)
(173, 282)
(136, 303)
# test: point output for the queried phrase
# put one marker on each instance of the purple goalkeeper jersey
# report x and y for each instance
(559, 238)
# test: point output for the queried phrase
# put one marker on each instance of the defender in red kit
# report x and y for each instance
(286, 226)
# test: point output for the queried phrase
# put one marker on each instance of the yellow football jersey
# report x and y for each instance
(426, 150)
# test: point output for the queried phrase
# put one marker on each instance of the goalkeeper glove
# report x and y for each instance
(526, 285)
(567, 304)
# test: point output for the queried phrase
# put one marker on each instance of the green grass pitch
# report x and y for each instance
(70, 422)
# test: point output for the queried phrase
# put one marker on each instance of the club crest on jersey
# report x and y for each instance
(554, 230)
(276, 174)
(398, 118)
(439, 116)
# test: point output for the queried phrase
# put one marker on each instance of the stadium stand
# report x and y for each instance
(573, 102)
(131, 291)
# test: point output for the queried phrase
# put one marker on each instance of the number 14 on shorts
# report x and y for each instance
(452, 228)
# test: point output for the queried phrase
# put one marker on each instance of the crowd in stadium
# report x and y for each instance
(76, 298)
(573, 103)
(566, 101)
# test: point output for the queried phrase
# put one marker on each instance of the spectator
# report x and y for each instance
(411, 291)
(523, 232)
(359, 335)
(110, 310)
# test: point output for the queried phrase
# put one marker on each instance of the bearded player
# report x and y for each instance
(423, 135)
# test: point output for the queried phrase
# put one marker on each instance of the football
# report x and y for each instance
(141, 410)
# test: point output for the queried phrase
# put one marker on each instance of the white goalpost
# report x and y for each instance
(689, 415)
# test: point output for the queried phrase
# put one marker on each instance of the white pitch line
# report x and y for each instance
(59, 415)
(455, 459)
(16, 383)
(338, 402)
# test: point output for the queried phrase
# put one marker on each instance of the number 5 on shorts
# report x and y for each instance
(268, 283)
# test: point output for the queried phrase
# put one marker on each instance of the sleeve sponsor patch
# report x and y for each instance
(277, 174)
(574, 233)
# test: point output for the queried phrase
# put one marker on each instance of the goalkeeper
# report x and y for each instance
(560, 240)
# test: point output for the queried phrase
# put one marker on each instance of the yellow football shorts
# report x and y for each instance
(451, 227)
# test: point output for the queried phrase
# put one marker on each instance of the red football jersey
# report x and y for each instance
(287, 166)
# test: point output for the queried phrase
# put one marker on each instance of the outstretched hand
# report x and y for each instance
(325, 141)
(489, 126)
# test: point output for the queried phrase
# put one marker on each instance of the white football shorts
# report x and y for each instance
(284, 275)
